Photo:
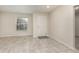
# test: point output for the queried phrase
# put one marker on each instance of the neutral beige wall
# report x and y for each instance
(62, 25)
(8, 24)
(40, 24)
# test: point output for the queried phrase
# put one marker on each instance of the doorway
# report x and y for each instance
(76, 26)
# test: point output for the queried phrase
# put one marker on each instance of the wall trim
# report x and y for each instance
(15, 35)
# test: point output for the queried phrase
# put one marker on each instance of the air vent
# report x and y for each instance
(43, 37)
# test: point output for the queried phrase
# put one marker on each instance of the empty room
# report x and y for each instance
(38, 29)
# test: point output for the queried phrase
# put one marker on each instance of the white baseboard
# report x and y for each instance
(73, 48)
(11, 35)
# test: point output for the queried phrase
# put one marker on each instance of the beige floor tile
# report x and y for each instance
(31, 45)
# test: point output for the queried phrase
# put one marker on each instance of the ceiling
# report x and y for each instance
(76, 7)
(26, 8)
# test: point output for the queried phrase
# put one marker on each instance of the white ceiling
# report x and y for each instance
(76, 7)
(26, 8)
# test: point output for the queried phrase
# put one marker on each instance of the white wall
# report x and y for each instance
(62, 25)
(40, 24)
(8, 24)
(77, 24)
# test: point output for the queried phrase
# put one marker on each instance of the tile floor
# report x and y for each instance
(30, 45)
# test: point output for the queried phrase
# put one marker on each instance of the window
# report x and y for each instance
(22, 23)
